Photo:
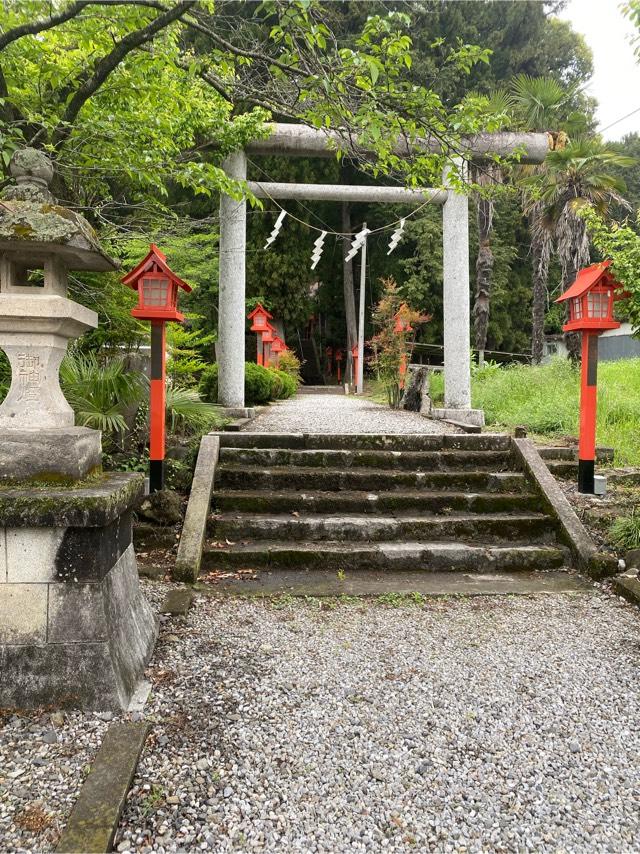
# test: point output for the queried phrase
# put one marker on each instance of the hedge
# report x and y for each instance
(260, 384)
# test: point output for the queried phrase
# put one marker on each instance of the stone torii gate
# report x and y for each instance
(303, 141)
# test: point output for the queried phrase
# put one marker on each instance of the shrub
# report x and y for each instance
(259, 384)
(624, 533)
(290, 364)
(283, 384)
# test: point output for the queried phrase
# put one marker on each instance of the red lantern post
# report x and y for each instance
(339, 365)
(590, 298)
(329, 354)
(354, 355)
(259, 318)
(157, 286)
(268, 337)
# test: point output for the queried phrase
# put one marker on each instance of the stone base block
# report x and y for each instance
(464, 416)
(75, 629)
(58, 455)
(237, 411)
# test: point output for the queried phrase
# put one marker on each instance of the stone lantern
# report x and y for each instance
(75, 629)
(40, 242)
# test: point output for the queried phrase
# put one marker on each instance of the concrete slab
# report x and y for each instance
(375, 583)
(94, 818)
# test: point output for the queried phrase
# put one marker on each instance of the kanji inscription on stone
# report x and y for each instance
(29, 376)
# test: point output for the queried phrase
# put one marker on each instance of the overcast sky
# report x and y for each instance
(616, 79)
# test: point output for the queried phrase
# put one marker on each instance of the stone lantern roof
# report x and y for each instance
(34, 226)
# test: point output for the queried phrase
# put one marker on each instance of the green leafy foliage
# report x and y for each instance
(624, 532)
(100, 393)
(188, 414)
(620, 243)
(261, 384)
(546, 399)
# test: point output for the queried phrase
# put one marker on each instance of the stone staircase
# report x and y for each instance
(290, 510)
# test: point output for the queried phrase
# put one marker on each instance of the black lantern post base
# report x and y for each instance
(156, 475)
(585, 476)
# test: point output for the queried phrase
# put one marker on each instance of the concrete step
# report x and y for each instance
(313, 479)
(562, 468)
(287, 501)
(416, 556)
(445, 460)
(368, 441)
(603, 455)
(402, 586)
(489, 527)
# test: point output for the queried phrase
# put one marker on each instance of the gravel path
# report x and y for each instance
(337, 413)
(465, 725)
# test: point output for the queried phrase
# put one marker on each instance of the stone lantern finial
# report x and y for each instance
(33, 172)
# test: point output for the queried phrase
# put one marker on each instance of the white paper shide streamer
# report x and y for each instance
(396, 237)
(318, 246)
(356, 243)
(276, 229)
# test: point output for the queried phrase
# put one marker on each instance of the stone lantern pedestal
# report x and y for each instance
(75, 629)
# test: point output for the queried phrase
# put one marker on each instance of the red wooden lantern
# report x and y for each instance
(158, 288)
(278, 346)
(259, 318)
(590, 299)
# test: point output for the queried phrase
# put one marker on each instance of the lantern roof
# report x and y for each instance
(34, 226)
(589, 277)
(278, 344)
(259, 309)
(154, 259)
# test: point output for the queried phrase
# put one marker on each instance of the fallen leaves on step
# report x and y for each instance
(237, 575)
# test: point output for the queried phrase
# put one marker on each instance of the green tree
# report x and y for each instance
(576, 175)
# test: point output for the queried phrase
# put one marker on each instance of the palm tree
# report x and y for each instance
(498, 104)
(542, 103)
(575, 175)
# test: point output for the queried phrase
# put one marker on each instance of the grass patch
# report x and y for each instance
(545, 399)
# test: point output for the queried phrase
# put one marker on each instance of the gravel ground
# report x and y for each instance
(338, 413)
(43, 761)
(478, 725)
(462, 725)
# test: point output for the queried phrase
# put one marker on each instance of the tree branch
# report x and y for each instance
(103, 68)
(43, 24)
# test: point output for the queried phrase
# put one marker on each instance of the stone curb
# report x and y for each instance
(575, 535)
(94, 819)
(628, 585)
(194, 528)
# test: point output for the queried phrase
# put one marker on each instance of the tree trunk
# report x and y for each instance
(484, 272)
(349, 295)
(573, 251)
(541, 252)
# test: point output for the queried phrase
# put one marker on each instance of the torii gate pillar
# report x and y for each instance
(456, 312)
(231, 296)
